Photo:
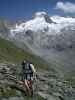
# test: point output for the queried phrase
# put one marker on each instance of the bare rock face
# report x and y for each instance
(44, 15)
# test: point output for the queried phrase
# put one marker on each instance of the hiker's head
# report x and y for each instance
(23, 62)
(26, 61)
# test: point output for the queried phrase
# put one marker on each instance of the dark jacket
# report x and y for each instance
(27, 71)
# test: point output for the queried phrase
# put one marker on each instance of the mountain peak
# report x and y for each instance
(40, 14)
(43, 15)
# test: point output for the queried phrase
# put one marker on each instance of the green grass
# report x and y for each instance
(70, 78)
(6, 93)
(10, 53)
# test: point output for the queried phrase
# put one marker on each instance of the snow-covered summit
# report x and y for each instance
(43, 23)
(40, 14)
(60, 19)
(49, 37)
(40, 22)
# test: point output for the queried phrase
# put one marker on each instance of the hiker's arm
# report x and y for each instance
(34, 71)
(32, 66)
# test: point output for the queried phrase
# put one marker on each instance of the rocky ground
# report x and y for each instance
(48, 86)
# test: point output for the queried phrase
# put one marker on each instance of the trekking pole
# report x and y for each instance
(35, 88)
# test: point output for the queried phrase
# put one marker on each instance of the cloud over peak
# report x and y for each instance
(67, 7)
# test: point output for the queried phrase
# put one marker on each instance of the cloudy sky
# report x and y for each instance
(21, 9)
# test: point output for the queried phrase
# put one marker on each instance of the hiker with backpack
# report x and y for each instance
(28, 75)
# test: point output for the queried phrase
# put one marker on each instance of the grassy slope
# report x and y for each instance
(10, 53)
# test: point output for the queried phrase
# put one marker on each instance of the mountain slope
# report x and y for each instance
(44, 32)
(52, 38)
(57, 49)
(10, 53)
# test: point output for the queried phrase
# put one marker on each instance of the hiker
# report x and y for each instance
(28, 71)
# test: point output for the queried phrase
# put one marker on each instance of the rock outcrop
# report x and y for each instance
(48, 86)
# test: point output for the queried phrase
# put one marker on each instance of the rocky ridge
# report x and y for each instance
(49, 86)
